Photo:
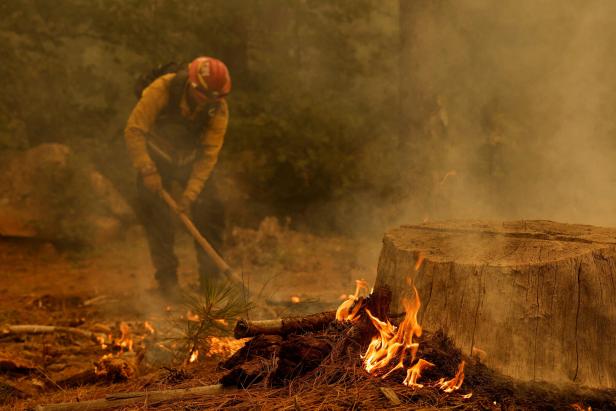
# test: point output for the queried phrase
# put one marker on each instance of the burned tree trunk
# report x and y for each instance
(535, 298)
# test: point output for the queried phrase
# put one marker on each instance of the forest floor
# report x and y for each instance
(110, 289)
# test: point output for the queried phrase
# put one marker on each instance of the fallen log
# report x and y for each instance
(130, 398)
(284, 326)
(50, 329)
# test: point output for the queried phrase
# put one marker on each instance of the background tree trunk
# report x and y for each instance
(536, 296)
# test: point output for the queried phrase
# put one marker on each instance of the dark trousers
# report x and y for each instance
(159, 222)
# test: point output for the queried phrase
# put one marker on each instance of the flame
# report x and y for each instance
(348, 310)
(102, 341)
(194, 356)
(295, 299)
(580, 407)
(125, 341)
(396, 342)
(454, 383)
(190, 316)
(420, 259)
(396, 345)
(148, 326)
(413, 373)
(224, 346)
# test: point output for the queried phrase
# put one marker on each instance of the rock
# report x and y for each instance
(535, 298)
(47, 192)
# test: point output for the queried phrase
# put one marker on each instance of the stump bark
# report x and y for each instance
(538, 297)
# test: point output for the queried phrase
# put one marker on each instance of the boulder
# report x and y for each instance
(48, 192)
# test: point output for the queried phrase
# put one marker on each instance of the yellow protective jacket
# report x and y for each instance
(141, 129)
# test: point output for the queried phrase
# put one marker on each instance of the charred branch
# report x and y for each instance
(284, 326)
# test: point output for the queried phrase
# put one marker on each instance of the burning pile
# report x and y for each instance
(324, 345)
(361, 349)
(395, 345)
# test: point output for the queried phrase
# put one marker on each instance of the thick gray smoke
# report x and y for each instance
(520, 97)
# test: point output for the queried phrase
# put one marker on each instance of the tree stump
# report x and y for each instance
(537, 299)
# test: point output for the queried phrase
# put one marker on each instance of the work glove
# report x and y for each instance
(186, 202)
(153, 182)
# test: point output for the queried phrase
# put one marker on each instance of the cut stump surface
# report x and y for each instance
(536, 299)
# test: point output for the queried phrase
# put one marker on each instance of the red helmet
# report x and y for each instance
(209, 76)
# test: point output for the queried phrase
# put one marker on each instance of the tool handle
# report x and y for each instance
(207, 247)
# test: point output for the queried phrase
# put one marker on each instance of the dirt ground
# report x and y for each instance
(101, 289)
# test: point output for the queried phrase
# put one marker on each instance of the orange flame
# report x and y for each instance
(222, 322)
(190, 316)
(102, 341)
(295, 299)
(224, 346)
(454, 383)
(125, 341)
(392, 342)
(420, 259)
(348, 310)
(194, 356)
(413, 373)
(148, 326)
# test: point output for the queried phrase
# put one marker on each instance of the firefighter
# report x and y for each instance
(174, 134)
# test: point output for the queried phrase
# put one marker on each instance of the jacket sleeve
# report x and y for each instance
(154, 98)
(211, 143)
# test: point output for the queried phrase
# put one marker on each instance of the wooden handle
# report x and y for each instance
(207, 247)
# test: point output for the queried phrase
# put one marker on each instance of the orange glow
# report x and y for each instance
(467, 396)
(102, 341)
(190, 316)
(454, 383)
(224, 346)
(148, 326)
(295, 299)
(349, 310)
(194, 356)
(125, 341)
(419, 262)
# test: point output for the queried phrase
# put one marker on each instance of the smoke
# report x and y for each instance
(515, 101)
